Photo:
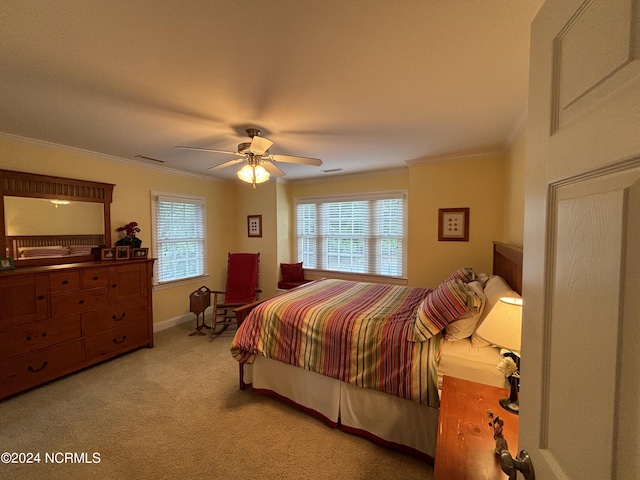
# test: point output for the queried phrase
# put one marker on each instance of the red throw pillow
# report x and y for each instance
(291, 272)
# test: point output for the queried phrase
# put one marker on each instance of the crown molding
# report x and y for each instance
(353, 176)
(518, 128)
(103, 156)
(453, 157)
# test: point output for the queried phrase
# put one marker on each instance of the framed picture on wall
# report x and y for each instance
(453, 224)
(254, 225)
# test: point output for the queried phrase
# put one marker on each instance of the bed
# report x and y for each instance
(384, 387)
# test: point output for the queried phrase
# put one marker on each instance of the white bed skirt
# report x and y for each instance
(386, 419)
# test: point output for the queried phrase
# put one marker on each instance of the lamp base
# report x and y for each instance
(510, 406)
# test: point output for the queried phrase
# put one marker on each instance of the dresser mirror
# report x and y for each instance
(48, 220)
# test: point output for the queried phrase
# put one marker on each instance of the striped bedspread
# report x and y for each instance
(355, 332)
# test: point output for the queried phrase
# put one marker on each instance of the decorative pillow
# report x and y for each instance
(465, 274)
(292, 272)
(440, 307)
(466, 324)
(495, 288)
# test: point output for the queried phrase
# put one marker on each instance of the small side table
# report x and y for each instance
(465, 449)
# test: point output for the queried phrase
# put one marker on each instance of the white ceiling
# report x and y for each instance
(362, 84)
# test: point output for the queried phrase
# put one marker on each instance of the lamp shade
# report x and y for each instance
(503, 324)
(253, 174)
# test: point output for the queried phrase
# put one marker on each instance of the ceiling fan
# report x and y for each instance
(260, 164)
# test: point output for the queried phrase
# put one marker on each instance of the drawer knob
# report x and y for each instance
(96, 277)
(65, 282)
(117, 319)
(34, 370)
(115, 285)
(81, 302)
(40, 297)
(118, 342)
(28, 338)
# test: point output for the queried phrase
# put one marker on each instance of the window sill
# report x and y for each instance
(178, 283)
(315, 274)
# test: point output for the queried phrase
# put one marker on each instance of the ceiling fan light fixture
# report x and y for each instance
(253, 174)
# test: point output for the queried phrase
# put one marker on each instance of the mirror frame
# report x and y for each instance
(22, 184)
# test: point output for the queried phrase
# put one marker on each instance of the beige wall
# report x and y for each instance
(514, 195)
(476, 182)
(132, 202)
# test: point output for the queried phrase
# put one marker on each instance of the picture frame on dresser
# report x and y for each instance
(107, 253)
(6, 263)
(139, 253)
(123, 252)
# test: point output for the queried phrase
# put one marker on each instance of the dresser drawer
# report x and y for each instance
(79, 302)
(37, 335)
(23, 299)
(95, 277)
(114, 316)
(115, 341)
(30, 370)
(64, 282)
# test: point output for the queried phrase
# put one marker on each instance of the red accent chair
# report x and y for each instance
(242, 288)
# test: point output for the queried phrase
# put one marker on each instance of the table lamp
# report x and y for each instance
(503, 327)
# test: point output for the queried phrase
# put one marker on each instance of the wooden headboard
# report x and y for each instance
(507, 262)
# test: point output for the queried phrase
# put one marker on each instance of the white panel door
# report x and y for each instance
(580, 385)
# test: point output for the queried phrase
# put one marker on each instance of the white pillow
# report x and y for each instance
(495, 288)
(464, 326)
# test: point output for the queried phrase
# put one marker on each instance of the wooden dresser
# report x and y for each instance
(55, 320)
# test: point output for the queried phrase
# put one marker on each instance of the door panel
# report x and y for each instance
(580, 401)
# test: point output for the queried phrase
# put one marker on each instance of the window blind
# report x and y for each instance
(179, 237)
(357, 233)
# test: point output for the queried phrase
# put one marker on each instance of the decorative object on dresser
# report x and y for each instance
(6, 263)
(139, 253)
(107, 253)
(123, 252)
(55, 320)
(453, 224)
(128, 233)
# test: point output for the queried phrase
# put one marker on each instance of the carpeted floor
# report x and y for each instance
(175, 412)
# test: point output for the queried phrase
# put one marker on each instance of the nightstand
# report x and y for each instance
(465, 448)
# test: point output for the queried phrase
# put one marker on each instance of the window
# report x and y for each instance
(178, 236)
(356, 233)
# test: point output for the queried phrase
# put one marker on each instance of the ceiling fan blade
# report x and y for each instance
(207, 150)
(272, 169)
(303, 160)
(259, 145)
(228, 164)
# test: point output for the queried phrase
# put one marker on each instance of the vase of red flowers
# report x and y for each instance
(128, 233)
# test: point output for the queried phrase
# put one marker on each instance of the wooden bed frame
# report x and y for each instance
(16, 242)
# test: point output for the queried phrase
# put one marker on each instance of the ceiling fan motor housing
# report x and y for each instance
(244, 148)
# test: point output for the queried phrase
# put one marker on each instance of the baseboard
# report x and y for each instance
(172, 322)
